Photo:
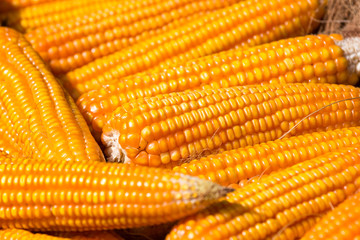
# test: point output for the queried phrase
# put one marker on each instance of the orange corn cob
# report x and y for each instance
(96, 196)
(290, 196)
(253, 162)
(6, 5)
(315, 59)
(73, 48)
(341, 223)
(248, 23)
(167, 27)
(18, 234)
(121, 7)
(296, 230)
(169, 128)
(123, 42)
(57, 12)
(38, 119)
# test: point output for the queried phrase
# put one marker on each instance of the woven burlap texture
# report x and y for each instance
(342, 16)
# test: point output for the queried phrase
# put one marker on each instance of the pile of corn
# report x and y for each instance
(177, 119)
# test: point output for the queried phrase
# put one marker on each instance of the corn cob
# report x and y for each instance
(304, 59)
(165, 129)
(96, 196)
(38, 119)
(249, 22)
(260, 211)
(56, 12)
(296, 230)
(341, 223)
(122, 6)
(120, 43)
(6, 5)
(168, 27)
(18, 234)
(251, 162)
(75, 47)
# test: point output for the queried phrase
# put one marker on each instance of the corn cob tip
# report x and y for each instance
(351, 48)
(228, 189)
(207, 190)
(215, 191)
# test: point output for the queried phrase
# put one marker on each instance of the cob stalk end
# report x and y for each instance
(207, 190)
(113, 150)
(351, 48)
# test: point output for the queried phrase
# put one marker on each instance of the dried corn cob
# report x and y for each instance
(18, 234)
(38, 119)
(6, 5)
(96, 196)
(123, 42)
(93, 17)
(168, 27)
(304, 59)
(341, 223)
(249, 23)
(261, 210)
(75, 47)
(165, 129)
(57, 12)
(297, 229)
(251, 162)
